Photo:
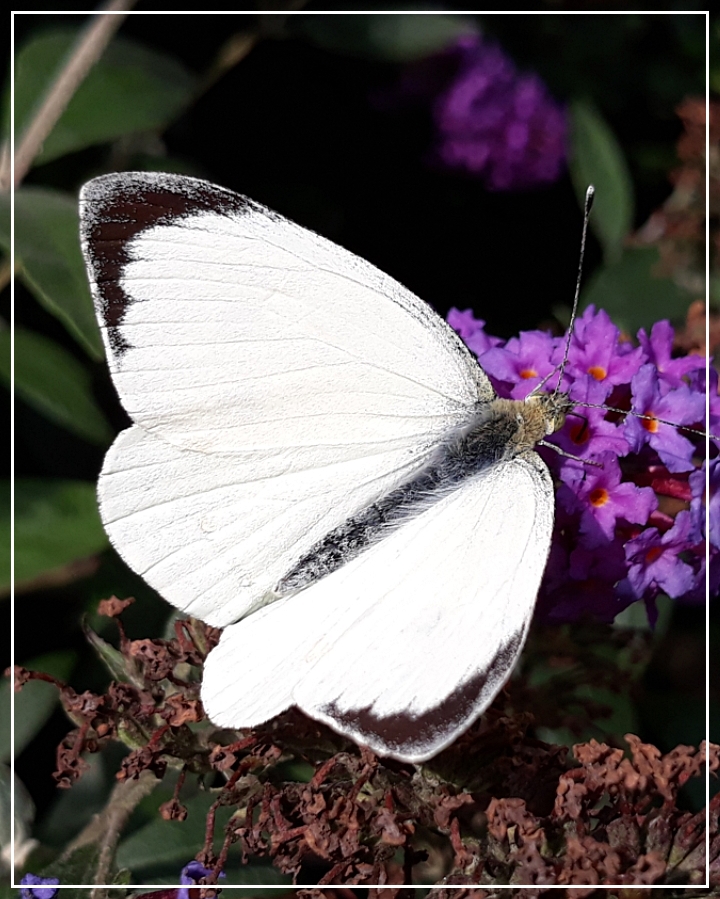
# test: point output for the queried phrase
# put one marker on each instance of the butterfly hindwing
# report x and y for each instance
(403, 647)
(214, 533)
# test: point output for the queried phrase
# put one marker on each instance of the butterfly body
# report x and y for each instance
(366, 519)
(498, 431)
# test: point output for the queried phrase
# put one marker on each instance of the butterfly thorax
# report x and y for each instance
(496, 432)
(502, 429)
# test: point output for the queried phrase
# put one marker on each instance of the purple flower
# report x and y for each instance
(602, 499)
(697, 480)
(587, 587)
(596, 351)
(189, 878)
(498, 123)
(587, 432)
(706, 520)
(655, 563)
(714, 503)
(680, 405)
(35, 887)
(521, 364)
(706, 381)
(190, 875)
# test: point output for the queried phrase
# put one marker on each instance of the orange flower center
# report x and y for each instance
(598, 372)
(599, 496)
(650, 424)
(654, 553)
(527, 373)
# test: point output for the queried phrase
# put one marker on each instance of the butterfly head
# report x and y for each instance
(551, 408)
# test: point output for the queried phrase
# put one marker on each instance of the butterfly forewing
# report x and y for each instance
(230, 329)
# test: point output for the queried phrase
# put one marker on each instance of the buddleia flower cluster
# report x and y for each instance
(631, 514)
(498, 123)
(490, 120)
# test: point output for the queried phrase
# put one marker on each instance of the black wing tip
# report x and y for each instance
(417, 738)
(143, 199)
(112, 184)
(117, 207)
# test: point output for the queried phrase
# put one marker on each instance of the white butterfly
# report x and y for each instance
(317, 464)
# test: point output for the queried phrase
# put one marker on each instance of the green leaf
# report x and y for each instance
(47, 251)
(596, 158)
(171, 842)
(635, 617)
(623, 717)
(33, 704)
(56, 523)
(157, 851)
(632, 294)
(399, 37)
(115, 662)
(79, 867)
(130, 89)
(54, 383)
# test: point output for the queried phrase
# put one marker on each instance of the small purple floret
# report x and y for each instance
(190, 875)
(35, 887)
(680, 405)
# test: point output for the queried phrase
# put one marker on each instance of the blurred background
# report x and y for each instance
(354, 126)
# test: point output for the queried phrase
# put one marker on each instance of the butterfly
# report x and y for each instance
(317, 464)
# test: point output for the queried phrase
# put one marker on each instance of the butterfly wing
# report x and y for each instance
(404, 647)
(277, 383)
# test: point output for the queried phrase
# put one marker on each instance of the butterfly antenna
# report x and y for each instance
(663, 421)
(589, 195)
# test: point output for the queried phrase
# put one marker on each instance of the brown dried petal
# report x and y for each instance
(180, 710)
(113, 606)
(172, 810)
(647, 869)
(447, 806)
(386, 824)
(155, 656)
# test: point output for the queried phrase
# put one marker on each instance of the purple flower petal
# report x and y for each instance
(190, 875)
(471, 330)
(602, 499)
(587, 432)
(521, 364)
(658, 350)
